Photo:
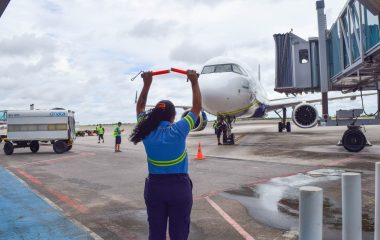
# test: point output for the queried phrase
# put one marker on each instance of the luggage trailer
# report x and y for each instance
(26, 129)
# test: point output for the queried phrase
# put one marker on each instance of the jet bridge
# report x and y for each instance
(344, 58)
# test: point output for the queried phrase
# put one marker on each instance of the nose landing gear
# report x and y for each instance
(228, 136)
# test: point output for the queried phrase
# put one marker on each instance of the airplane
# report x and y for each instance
(230, 90)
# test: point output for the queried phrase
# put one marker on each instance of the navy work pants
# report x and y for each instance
(168, 197)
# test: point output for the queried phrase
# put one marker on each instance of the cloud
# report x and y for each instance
(81, 54)
(25, 45)
(189, 52)
(152, 28)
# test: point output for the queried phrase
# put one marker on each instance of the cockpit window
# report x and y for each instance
(237, 69)
(208, 69)
(223, 68)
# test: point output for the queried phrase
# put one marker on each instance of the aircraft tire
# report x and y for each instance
(288, 127)
(280, 127)
(354, 140)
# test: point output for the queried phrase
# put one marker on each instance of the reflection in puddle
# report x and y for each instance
(275, 203)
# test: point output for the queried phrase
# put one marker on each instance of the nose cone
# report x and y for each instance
(224, 92)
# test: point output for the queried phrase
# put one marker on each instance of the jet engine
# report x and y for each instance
(305, 115)
(201, 122)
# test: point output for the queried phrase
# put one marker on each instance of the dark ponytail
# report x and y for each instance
(164, 111)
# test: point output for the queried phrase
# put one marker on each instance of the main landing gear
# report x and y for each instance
(228, 136)
(283, 125)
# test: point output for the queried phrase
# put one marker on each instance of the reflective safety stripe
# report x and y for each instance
(190, 121)
(140, 119)
(169, 163)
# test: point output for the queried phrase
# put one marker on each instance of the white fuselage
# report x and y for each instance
(229, 88)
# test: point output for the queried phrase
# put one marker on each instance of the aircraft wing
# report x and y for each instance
(276, 106)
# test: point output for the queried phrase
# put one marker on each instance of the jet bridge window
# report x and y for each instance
(304, 56)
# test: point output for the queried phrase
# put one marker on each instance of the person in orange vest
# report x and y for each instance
(168, 188)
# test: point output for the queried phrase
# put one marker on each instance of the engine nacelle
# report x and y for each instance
(201, 122)
(305, 115)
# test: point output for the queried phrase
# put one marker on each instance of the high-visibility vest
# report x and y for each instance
(100, 130)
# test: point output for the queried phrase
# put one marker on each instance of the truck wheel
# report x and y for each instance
(59, 147)
(8, 148)
(354, 140)
(34, 146)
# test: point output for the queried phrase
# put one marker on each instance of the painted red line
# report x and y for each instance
(60, 196)
(229, 219)
(30, 178)
(67, 200)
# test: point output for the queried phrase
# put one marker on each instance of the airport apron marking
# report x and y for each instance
(25, 215)
(229, 219)
(60, 196)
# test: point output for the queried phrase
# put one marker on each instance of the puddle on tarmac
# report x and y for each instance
(275, 203)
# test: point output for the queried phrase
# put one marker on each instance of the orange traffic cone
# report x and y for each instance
(200, 154)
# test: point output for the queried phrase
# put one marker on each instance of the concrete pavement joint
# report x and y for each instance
(53, 160)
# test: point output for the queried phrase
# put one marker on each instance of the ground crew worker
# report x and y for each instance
(218, 130)
(96, 129)
(117, 134)
(168, 188)
(100, 132)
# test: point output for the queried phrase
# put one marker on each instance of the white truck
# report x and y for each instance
(29, 128)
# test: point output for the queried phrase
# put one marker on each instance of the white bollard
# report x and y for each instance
(377, 202)
(310, 213)
(351, 206)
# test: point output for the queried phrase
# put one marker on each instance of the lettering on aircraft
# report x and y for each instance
(57, 114)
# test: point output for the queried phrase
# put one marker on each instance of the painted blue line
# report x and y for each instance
(24, 215)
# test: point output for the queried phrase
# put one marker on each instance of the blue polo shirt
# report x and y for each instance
(166, 146)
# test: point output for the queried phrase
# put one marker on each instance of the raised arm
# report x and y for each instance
(141, 102)
(197, 97)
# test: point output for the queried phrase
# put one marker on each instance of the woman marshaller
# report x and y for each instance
(168, 188)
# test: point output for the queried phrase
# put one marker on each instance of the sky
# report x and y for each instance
(81, 54)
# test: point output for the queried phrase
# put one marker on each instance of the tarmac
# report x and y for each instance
(245, 191)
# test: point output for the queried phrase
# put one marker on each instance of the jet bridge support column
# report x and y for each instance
(322, 27)
(378, 99)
